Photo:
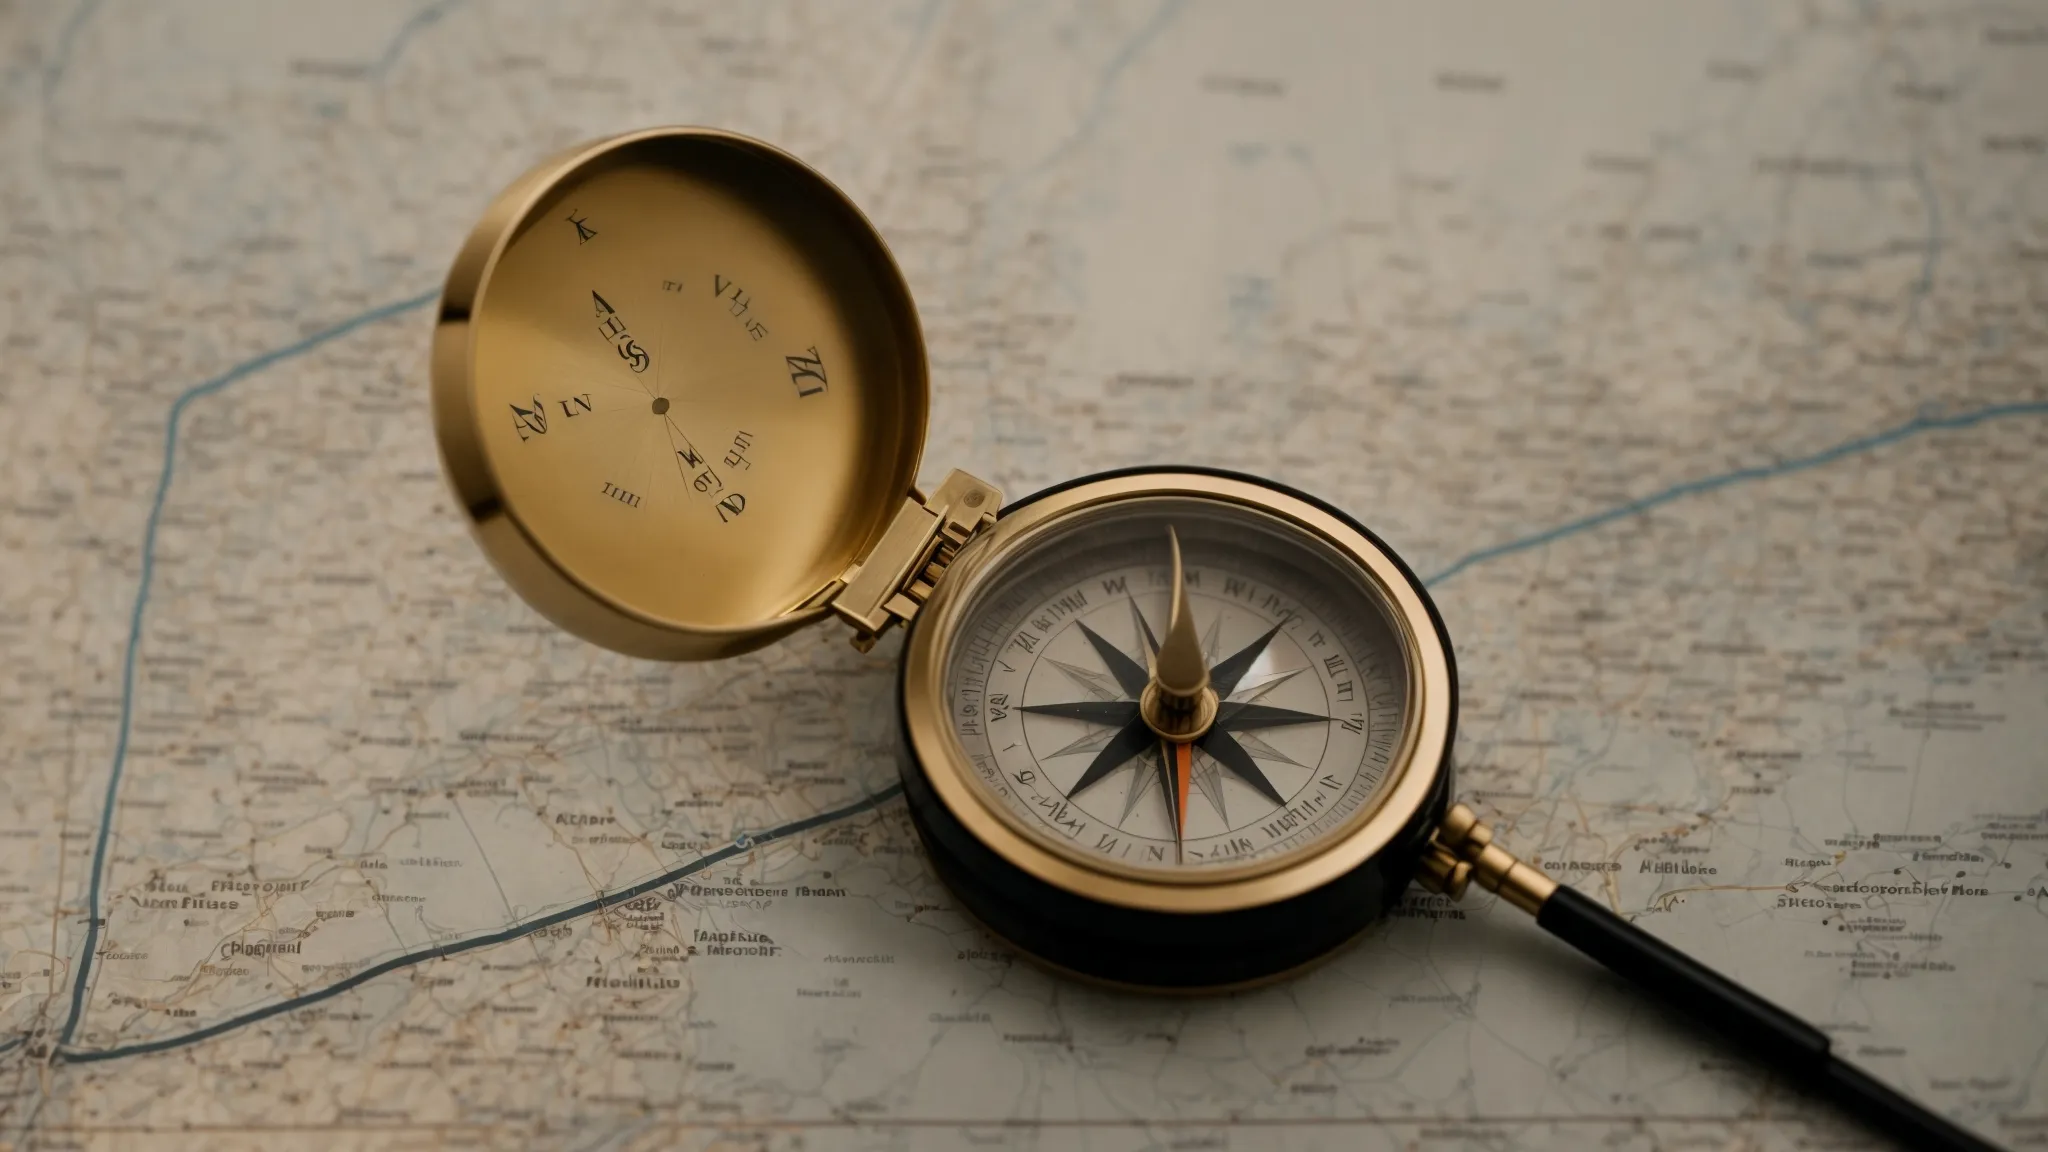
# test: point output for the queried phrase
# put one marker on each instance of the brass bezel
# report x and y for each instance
(1424, 749)
(526, 563)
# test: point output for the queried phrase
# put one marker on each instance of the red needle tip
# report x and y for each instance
(1183, 767)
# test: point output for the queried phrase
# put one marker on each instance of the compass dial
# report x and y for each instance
(1055, 652)
(694, 382)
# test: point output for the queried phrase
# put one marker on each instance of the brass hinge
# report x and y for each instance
(897, 577)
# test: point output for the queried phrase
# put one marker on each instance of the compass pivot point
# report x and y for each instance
(1182, 720)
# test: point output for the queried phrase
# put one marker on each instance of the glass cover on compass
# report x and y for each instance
(1047, 669)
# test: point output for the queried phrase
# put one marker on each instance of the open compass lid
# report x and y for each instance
(680, 387)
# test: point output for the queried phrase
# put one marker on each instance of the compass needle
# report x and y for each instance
(1183, 764)
(1176, 699)
(1179, 668)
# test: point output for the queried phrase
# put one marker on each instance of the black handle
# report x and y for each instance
(1762, 1029)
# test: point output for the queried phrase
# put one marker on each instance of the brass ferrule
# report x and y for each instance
(1462, 851)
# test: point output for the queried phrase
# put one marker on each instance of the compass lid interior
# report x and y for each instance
(821, 474)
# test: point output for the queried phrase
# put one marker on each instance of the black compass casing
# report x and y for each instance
(1163, 951)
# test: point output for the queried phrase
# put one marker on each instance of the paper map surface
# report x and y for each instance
(1694, 354)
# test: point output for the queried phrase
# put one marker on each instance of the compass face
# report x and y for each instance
(1055, 651)
(695, 381)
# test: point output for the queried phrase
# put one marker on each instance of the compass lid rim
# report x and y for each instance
(515, 549)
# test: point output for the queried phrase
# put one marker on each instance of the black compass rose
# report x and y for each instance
(1119, 709)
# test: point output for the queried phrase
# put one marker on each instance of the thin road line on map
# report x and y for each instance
(1913, 427)
(53, 73)
(417, 23)
(156, 512)
(1090, 119)
(740, 846)
(1924, 423)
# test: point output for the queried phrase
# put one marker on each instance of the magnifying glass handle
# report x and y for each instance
(1766, 1032)
(1463, 852)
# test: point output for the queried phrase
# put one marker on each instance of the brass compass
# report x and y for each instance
(1169, 728)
